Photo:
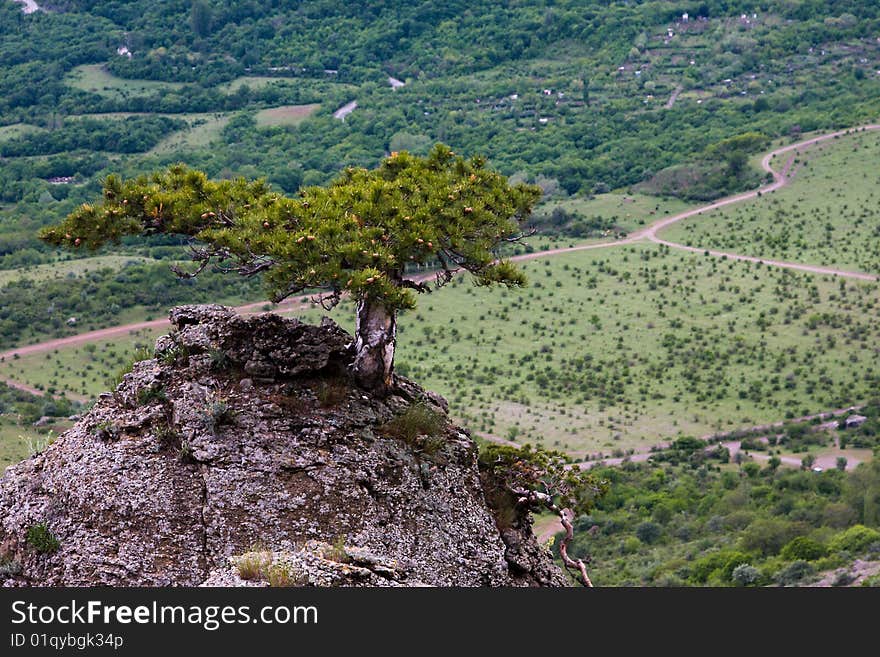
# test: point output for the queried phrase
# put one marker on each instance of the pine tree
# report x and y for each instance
(356, 236)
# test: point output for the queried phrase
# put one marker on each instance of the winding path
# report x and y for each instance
(780, 179)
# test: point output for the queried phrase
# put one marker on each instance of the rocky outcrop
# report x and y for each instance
(246, 436)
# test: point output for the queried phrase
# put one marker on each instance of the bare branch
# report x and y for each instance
(446, 273)
(182, 273)
(526, 233)
(202, 256)
(414, 285)
(534, 499)
(224, 218)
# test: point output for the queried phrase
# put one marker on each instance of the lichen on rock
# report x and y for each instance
(245, 431)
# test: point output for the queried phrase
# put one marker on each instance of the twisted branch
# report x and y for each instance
(534, 498)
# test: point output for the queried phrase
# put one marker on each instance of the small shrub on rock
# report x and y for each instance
(41, 539)
(417, 420)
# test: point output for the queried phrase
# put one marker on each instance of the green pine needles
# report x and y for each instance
(357, 236)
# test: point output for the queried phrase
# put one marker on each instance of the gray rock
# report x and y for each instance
(166, 488)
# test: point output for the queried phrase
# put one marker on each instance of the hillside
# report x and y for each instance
(582, 97)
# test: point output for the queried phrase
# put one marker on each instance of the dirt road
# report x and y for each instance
(780, 179)
(673, 97)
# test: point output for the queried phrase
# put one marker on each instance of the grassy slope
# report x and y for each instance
(826, 216)
(68, 268)
(94, 78)
(614, 349)
(16, 440)
(201, 132)
(629, 211)
(79, 370)
(285, 115)
(18, 130)
(678, 337)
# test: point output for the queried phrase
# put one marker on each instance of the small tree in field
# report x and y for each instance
(355, 236)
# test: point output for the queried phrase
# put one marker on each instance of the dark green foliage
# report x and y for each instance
(357, 235)
(648, 532)
(29, 310)
(132, 135)
(41, 539)
(220, 360)
(804, 548)
(794, 573)
(30, 408)
(508, 471)
(712, 523)
(151, 394)
(601, 133)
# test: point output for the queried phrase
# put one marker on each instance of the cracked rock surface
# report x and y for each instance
(246, 432)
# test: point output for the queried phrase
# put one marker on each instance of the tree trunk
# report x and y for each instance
(375, 335)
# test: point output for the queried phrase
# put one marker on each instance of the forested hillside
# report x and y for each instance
(581, 96)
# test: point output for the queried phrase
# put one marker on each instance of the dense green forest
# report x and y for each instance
(581, 96)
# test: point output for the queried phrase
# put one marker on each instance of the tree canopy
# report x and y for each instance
(355, 236)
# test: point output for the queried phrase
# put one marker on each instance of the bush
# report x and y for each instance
(417, 420)
(41, 539)
(769, 535)
(630, 545)
(745, 575)
(648, 532)
(251, 565)
(855, 539)
(279, 576)
(150, 394)
(803, 548)
(141, 353)
(794, 573)
(718, 564)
